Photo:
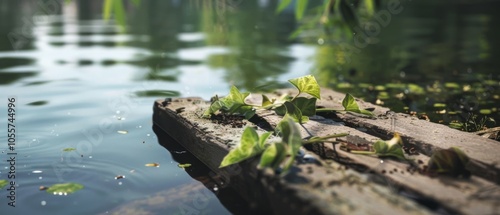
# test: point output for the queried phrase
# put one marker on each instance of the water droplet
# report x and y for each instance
(60, 193)
(117, 112)
(90, 156)
(122, 132)
(381, 161)
(40, 177)
(34, 140)
(43, 203)
(37, 171)
(216, 188)
(120, 183)
(148, 135)
(140, 126)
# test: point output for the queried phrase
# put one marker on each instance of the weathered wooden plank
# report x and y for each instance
(426, 136)
(461, 197)
(310, 188)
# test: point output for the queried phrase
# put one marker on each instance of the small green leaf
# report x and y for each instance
(263, 138)
(351, 105)
(249, 140)
(283, 129)
(3, 183)
(249, 147)
(295, 113)
(64, 189)
(294, 142)
(214, 107)
(273, 156)
(307, 84)
(305, 105)
(280, 110)
(68, 149)
(300, 9)
(380, 146)
(283, 4)
(236, 96)
(266, 102)
(390, 148)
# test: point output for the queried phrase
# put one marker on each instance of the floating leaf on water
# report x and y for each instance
(153, 164)
(68, 149)
(383, 95)
(119, 177)
(344, 85)
(485, 111)
(379, 88)
(122, 132)
(451, 85)
(439, 105)
(185, 165)
(3, 183)
(64, 189)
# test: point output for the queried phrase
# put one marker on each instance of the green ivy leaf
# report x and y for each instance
(351, 105)
(305, 105)
(307, 84)
(266, 102)
(249, 147)
(295, 113)
(280, 110)
(249, 141)
(380, 147)
(391, 148)
(214, 107)
(65, 188)
(263, 138)
(294, 142)
(273, 156)
(3, 183)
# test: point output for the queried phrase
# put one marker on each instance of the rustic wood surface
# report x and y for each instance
(310, 188)
(376, 185)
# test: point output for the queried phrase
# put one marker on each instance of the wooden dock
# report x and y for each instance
(333, 181)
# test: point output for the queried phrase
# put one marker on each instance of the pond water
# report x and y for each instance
(85, 83)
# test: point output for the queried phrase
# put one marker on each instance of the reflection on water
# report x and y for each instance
(82, 82)
(428, 53)
(79, 80)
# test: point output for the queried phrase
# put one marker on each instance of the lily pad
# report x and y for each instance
(64, 189)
